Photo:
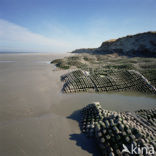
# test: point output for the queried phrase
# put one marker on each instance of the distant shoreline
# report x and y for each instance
(33, 52)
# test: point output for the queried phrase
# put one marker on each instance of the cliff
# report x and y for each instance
(142, 44)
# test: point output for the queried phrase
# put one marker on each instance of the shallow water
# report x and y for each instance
(116, 102)
(43, 62)
(6, 61)
(34, 113)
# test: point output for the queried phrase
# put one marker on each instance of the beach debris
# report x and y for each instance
(113, 130)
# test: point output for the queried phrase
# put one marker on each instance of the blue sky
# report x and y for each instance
(65, 25)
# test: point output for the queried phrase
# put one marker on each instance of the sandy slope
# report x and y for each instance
(35, 117)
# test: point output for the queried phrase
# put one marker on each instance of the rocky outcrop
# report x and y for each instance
(106, 81)
(143, 44)
(116, 132)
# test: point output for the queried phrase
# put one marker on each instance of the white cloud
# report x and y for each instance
(16, 38)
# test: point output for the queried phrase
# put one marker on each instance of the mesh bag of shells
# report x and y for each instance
(113, 130)
(106, 81)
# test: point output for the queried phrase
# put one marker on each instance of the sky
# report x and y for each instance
(66, 25)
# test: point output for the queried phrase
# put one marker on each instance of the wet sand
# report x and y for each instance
(37, 119)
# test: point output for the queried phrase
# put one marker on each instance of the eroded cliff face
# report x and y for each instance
(143, 44)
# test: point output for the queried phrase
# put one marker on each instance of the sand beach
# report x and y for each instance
(36, 118)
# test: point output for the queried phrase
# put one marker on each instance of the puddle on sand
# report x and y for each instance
(114, 101)
(43, 62)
